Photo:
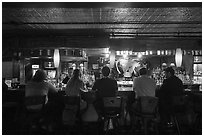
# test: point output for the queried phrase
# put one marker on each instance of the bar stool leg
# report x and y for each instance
(177, 124)
(145, 125)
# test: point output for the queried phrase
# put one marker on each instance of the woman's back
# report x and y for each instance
(74, 84)
(73, 87)
(38, 86)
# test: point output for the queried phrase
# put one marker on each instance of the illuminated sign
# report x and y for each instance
(35, 66)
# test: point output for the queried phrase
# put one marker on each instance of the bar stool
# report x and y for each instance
(197, 106)
(178, 107)
(34, 106)
(147, 109)
(112, 111)
(90, 121)
(71, 111)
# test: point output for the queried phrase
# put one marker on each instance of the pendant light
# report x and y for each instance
(178, 57)
(56, 58)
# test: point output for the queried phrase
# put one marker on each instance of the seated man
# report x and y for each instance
(172, 86)
(144, 85)
(104, 87)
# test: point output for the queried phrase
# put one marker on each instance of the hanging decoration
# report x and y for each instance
(56, 58)
(178, 57)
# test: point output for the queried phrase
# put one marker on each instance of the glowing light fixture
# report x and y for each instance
(81, 65)
(74, 66)
(107, 55)
(164, 64)
(178, 57)
(158, 52)
(172, 64)
(117, 52)
(166, 52)
(139, 55)
(56, 58)
(125, 54)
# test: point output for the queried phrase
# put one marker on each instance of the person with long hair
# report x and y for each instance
(38, 85)
(75, 84)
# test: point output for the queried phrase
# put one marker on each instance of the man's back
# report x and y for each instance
(144, 86)
(106, 87)
(172, 86)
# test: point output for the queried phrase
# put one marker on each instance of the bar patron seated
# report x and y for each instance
(77, 72)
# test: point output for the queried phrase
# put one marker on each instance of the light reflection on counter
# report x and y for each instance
(125, 89)
(125, 82)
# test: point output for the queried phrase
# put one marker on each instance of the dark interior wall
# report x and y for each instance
(94, 42)
(7, 69)
(57, 41)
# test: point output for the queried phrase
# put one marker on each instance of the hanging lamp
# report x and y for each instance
(56, 58)
(178, 57)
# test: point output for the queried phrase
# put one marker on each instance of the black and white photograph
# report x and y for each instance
(101, 68)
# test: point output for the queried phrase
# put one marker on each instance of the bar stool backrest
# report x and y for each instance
(89, 97)
(71, 110)
(71, 100)
(148, 104)
(178, 103)
(35, 103)
(112, 103)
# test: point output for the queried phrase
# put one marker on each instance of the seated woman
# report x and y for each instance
(74, 88)
(38, 86)
(75, 84)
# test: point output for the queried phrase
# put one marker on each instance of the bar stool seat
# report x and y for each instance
(71, 111)
(89, 117)
(178, 107)
(146, 108)
(34, 111)
(112, 111)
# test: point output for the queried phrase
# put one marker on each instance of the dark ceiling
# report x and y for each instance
(113, 19)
